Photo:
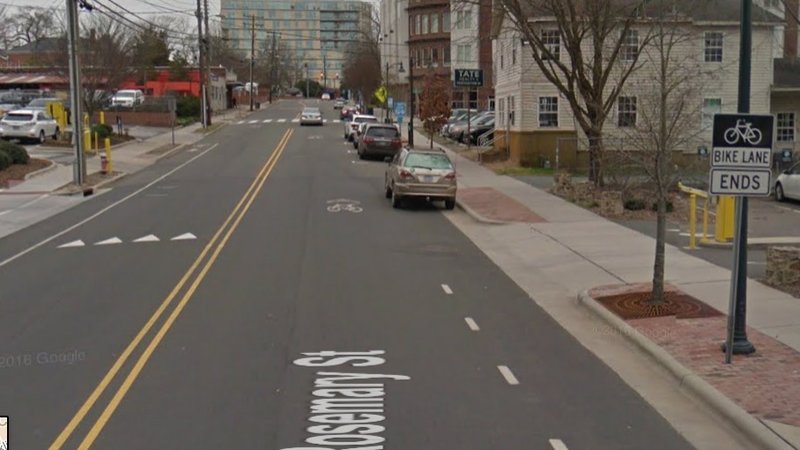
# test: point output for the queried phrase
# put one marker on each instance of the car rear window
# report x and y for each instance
(428, 160)
(16, 117)
(387, 132)
(366, 119)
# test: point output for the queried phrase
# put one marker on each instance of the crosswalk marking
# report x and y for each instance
(336, 120)
(253, 121)
(281, 120)
(148, 238)
(267, 121)
(113, 240)
(295, 120)
(78, 243)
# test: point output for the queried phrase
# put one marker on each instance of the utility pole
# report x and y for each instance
(306, 66)
(325, 71)
(272, 68)
(200, 54)
(252, 54)
(207, 40)
(411, 102)
(79, 174)
(386, 100)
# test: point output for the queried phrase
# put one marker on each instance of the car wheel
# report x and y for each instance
(779, 193)
(388, 191)
(361, 154)
(450, 203)
(42, 137)
(57, 134)
(396, 200)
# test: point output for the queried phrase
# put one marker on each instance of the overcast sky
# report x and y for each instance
(147, 8)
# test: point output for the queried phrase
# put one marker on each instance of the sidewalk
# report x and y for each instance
(548, 244)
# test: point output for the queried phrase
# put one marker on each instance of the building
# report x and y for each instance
(429, 41)
(535, 122)
(471, 48)
(317, 34)
(393, 40)
(164, 83)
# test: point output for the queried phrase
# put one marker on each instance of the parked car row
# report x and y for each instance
(28, 125)
(411, 173)
(467, 126)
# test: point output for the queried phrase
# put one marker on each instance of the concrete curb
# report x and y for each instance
(110, 180)
(170, 152)
(757, 431)
(41, 171)
(476, 216)
(790, 241)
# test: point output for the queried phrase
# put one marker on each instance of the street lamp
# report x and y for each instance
(386, 101)
(411, 101)
(306, 66)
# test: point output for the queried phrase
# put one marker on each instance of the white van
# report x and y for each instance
(127, 98)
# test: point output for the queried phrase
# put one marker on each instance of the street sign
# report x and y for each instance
(741, 155)
(390, 102)
(400, 109)
(468, 78)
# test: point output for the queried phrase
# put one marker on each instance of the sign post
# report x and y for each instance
(468, 78)
(741, 161)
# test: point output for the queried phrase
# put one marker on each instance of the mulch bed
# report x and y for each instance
(116, 139)
(636, 305)
(17, 172)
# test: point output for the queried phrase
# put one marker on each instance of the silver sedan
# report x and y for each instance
(311, 116)
(421, 174)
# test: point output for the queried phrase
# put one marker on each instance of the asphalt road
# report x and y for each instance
(210, 340)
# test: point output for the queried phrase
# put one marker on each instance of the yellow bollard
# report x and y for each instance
(705, 221)
(102, 117)
(723, 231)
(96, 143)
(692, 221)
(87, 141)
(109, 165)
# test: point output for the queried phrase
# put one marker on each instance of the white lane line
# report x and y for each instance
(447, 289)
(102, 211)
(506, 372)
(789, 209)
(72, 244)
(281, 120)
(113, 240)
(557, 444)
(253, 121)
(240, 122)
(184, 237)
(148, 238)
(471, 324)
(324, 120)
(266, 121)
(336, 120)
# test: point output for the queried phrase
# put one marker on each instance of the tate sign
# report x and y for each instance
(468, 78)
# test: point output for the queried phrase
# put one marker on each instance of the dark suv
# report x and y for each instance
(379, 140)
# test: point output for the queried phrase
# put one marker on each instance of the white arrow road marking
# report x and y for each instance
(471, 324)
(281, 120)
(253, 121)
(558, 444)
(148, 238)
(506, 372)
(114, 240)
(78, 243)
(184, 237)
(447, 289)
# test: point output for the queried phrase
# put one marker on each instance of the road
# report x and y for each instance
(249, 315)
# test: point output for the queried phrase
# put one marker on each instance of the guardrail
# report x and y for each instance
(723, 213)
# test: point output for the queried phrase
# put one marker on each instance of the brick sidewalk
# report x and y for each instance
(494, 205)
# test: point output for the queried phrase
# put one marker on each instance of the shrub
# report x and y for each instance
(5, 160)
(16, 152)
(187, 106)
(103, 130)
(634, 204)
(669, 206)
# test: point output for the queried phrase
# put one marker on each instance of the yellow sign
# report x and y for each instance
(381, 94)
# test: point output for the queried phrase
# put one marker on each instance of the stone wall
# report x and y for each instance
(783, 266)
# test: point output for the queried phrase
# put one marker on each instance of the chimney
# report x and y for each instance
(790, 31)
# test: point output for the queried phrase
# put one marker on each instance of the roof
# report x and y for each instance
(42, 45)
(786, 73)
(31, 78)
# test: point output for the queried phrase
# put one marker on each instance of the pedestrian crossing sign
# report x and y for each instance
(381, 94)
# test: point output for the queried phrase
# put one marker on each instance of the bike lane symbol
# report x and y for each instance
(344, 204)
(742, 131)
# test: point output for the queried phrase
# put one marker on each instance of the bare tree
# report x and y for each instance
(434, 104)
(31, 25)
(591, 33)
(669, 92)
(362, 68)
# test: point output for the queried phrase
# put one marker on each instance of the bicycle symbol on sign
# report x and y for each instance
(344, 204)
(743, 131)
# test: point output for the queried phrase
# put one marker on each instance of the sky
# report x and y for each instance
(143, 7)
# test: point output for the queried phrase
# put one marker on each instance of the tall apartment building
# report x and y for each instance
(318, 34)
(393, 41)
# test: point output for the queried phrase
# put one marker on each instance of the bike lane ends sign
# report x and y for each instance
(741, 155)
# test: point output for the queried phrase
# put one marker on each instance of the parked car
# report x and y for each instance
(478, 130)
(421, 174)
(326, 96)
(379, 139)
(28, 125)
(346, 113)
(351, 126)
(458, 130)
(311, 116)
(40, 104)
(338, 104)
(456, 115)
(787, 186)
(127, 98)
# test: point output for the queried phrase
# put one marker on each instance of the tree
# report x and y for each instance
(591, 34)
(434, 104)
(667, 92)
(314, 88)
(150, 48)
(362, 67)
(30, 25)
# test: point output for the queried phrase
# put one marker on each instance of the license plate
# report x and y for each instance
(15, 127)
(428, 178)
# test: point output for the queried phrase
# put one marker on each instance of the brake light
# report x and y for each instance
(396, 142)
(406, 174)
(450, 176)
(368, 140)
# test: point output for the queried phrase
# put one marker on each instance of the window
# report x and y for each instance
(434, 23)
(713, 47)
(711, 106)
(417, 20)
(501, 111)
(629, 49)
(446, 22)
(467, 19)
(425, 24)
(502, 52)
(785, 127)
(463, 20)
(511, 111)
(463, 53)
(435, 57)
(514, 43)
(626, 111)
(548, 112)
(552, 42)
(446, 56)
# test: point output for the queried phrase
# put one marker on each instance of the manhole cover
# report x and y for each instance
(635, 305)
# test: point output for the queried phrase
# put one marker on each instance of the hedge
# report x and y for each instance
(16, 152)
(5, 160)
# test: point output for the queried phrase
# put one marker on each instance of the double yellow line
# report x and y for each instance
(224, 232)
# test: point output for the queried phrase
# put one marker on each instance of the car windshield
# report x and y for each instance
(19, 117)
(388, 132)
(41, 101)
(366, 120)
(123, 94)
(428, 161)
(310, 111)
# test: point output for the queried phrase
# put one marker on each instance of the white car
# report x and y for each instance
(351, 126)
(787, 186)
(26, 124)
(326, 96)
(127, 98)
(311, 116)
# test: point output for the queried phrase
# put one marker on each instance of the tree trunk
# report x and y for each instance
(595, 155)
(660, 263)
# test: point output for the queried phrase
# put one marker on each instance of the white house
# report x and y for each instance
(535, 120)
